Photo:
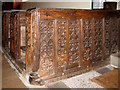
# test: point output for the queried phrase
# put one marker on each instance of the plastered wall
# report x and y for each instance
(118, 4)
(73, 5)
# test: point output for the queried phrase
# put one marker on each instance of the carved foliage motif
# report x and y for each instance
(87, 39)
(107, 37)
(114, 35)
(98, 38)
(73, 31)
(62, 43)
(46, 32)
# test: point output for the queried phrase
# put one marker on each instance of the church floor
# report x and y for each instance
(9, 76)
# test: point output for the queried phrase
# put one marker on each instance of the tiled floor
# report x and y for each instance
(81, 81)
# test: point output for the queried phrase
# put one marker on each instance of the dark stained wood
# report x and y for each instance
(110, 5)
(61, 43)
(6, 30)
(17, 33)
(70, 41)
(14, 4)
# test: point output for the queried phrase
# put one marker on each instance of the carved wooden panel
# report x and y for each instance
(12, 49)
(98, 34)
(61, 28)
(28, 41)
(46, 46)
(114, 35)
(87, 34)
(15, 34)
(73, 45)
(107, 36)
(6, 30)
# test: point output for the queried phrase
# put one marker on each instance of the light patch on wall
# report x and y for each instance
(58, 0)
(24, 0)
(111, 0)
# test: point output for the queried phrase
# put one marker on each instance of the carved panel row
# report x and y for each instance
(61, 46)
(15, 34)
(61, 43)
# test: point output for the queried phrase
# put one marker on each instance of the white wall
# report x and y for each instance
(118, 4)
(73, 5)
